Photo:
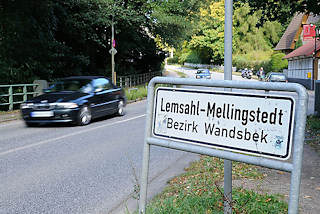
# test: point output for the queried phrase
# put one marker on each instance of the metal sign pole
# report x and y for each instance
(228, 76)
(146, 152)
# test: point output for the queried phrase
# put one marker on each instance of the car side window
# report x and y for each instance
(100, 84)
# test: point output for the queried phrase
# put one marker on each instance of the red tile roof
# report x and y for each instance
(305, 50)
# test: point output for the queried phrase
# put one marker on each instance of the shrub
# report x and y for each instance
(191, 57)
(173, 60)
(277, 62)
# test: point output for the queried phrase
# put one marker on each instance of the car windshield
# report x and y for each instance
(82, 85)
(278, 77)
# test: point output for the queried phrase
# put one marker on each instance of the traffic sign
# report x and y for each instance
(112, 51)
(256, 124)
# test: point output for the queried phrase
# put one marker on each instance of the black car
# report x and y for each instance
(75, 99)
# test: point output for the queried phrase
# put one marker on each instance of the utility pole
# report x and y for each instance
(113, 51)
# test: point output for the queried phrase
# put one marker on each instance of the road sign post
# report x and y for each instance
(228, 76)
(257, 129)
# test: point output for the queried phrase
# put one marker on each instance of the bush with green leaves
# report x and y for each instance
(173, 60)
(278, 63)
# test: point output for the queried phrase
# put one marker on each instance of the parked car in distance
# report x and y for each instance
(276, 77)
(203, 73)
(75, 99)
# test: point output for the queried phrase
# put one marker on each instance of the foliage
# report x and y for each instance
(173, 60)
(140, 92)
(190, 56)
(208, 42)
(50, 39)
(282, 10)
(249, 36)
(173, 20)
(252, 41)
(298, 43)
(278, 63)
(272, 10)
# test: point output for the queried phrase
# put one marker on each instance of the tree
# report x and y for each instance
(282, 10)
(278, 63)
(173, 21)
(50, 39)
(208, 41)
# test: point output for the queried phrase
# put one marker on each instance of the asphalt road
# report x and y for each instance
(71, 169)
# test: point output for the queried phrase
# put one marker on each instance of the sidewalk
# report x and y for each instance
(8, 116)
(278, 182)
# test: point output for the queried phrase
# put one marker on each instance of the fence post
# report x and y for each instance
(10, 98)
(25, 97)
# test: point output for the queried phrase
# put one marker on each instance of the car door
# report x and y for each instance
(114, 96)
(100, 101)
(104, 91)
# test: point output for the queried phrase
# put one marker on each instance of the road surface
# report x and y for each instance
(72, 169)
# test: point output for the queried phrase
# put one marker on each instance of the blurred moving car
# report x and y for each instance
(276, 77)
(203, 73)
(75, 99)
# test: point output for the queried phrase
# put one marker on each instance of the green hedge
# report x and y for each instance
(173, 60)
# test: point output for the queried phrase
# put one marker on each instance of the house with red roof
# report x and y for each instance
(303, 63)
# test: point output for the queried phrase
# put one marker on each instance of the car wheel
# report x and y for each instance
(85, 116)
(121, 108)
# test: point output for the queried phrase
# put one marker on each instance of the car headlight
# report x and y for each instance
(67, 105)
(26, 105)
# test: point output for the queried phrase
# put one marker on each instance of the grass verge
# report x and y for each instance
(136, 93)
(181, 74)
(199, 191)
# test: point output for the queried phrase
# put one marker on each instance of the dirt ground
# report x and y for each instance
(279, 182)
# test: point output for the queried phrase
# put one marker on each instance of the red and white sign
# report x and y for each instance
(309, 32)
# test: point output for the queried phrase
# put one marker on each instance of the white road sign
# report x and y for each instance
(261, 125)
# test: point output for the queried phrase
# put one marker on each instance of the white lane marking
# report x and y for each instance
(65, 136)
